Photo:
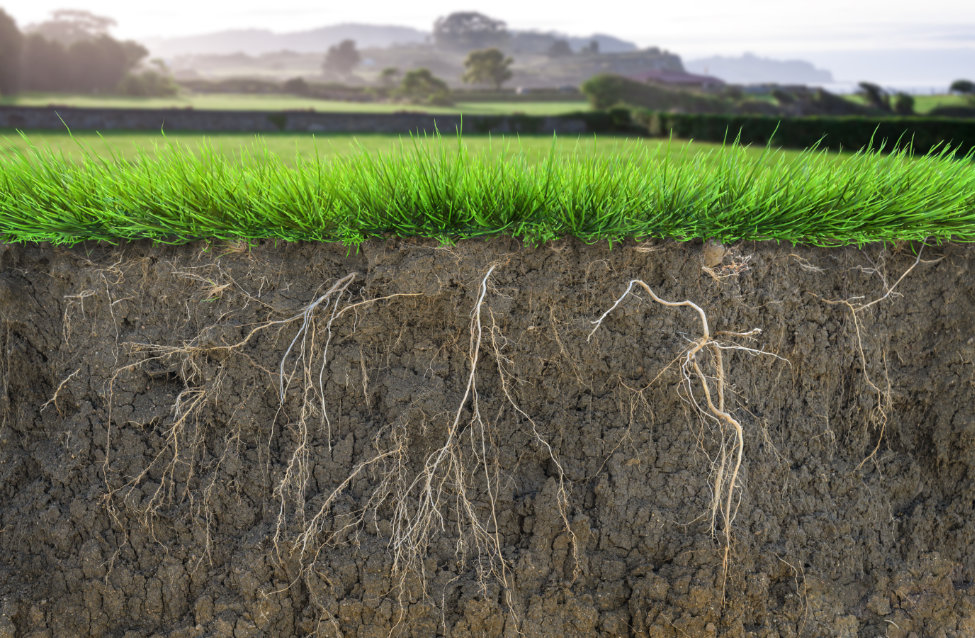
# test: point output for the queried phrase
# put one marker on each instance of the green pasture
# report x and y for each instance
(248, 102)
(290, 147)
(535, 189)
(924, 103)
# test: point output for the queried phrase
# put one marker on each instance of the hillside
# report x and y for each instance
(318, 40)
(259, 41)
(751, 69)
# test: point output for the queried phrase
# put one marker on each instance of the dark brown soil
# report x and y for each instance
(144, 467)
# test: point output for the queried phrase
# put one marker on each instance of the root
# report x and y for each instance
(736, 265)
(455, 486)
(883, 401)
(702, 366)
(411, 501)
(57, 393)
(199, 364)
(562, 495)
(448, 475)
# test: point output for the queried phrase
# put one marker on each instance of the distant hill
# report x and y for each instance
(538, 42)
(258, 41)
(367, 36)
(932, 69)
(751, 69)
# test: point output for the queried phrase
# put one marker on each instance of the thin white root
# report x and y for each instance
(883, 396)
(563, 492)
(712, 388)
(416, 503)
(446, 476)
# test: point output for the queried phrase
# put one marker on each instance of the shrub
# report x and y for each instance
(297, 86)
(420, 86)
(834, 133)
(607, 90)
(783, 97)
(965, 87)
(148, 84)
(952, 111)
(874, 95)
(904, 104)
(732, 92)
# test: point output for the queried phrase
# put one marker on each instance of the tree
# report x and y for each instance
(11, 47)
(965, 87)
(388, 76)
(559, 49)
(342, 57)
(99, 64)
(149, 83)
(96, 64)
(783, 97)
(605, 90)
(468, 30)
(592, 47)
(904, 104)
(45, 64)
(73, 51)
(419, 85)
(875, 96)
(296, 86)
(487, 66)
(68, 26)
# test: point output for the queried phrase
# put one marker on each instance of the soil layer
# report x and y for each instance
(191, 446)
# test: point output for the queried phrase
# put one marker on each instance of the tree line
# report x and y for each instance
(463, 31)
(73, 51)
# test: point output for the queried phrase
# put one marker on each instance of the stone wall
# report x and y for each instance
(114, 119)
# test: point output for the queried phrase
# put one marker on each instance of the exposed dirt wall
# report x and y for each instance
(190, 446)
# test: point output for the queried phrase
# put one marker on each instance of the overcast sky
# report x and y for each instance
(779, 28)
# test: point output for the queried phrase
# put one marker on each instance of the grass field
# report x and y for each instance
(229, 101)
(291, 146)
(924, 103)
(448, 188)
(242, 102)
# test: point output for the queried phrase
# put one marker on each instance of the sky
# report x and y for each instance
(821, 29)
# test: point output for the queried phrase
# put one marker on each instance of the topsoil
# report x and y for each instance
(172, 464)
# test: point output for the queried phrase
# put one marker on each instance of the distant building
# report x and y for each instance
(679, 78)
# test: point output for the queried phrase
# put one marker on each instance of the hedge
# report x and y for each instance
(833, 133)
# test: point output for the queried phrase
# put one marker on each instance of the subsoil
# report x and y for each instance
(166, 470)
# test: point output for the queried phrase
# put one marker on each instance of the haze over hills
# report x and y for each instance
(928, 69)
(185, 52)
(318, 40)
(751, 69)
(258, 41)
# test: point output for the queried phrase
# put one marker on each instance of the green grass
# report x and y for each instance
(452, 188)
(923, 103)
(290, 146)
(229, 101)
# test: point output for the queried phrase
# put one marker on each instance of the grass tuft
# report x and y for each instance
(440, 188)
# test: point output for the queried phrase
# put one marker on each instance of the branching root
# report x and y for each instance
(883, 401)
(703, 372)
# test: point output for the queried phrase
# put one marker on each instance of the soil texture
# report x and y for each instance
(420, 440)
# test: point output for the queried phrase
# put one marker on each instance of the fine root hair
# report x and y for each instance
(879, 414)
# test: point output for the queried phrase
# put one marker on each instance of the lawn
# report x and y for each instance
(536, 189)
(229, 101)
(288, 147)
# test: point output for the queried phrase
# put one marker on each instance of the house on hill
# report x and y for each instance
(679, 79)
